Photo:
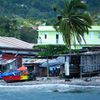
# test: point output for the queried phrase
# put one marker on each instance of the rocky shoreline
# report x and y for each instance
(93, 81)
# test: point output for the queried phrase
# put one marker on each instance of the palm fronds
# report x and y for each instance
(73, 21)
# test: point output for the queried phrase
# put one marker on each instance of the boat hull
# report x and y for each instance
(10, 79)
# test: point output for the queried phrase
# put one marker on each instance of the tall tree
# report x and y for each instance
(73, 21)
(9, 27)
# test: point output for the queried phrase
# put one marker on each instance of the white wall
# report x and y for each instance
(91, 38)
(51, 38)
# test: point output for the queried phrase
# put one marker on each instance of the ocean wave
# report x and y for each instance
(49, 88)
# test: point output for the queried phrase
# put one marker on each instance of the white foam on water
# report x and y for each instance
(47, 87)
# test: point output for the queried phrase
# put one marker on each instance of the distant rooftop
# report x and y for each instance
(51, 28)
(11, 42)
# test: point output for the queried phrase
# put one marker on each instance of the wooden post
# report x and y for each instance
(81, 68)
(47, 67)
(67, 66)
(81, 72)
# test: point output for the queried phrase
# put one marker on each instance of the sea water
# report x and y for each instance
(49, 92)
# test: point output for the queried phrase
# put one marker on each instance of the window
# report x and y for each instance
(99, 35)
(45, 36)
(39, 40)
(91, 35)
(57, 38)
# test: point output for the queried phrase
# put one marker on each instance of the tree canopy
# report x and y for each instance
(19, 28)
(73, 21)
(38, 10)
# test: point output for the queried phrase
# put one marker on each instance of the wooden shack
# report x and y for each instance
(74, 65)
(12, 48)
(34, 64)
(90, 63)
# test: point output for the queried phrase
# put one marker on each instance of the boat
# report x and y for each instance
(17, 78)
(19, 75)
(11, 73)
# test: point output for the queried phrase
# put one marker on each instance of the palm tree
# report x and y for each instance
(73, 21)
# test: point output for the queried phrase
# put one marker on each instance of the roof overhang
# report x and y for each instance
(19, 51)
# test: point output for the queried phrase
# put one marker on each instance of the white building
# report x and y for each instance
(48, 35)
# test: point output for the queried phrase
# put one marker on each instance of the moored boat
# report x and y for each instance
(21, 74)
(9, 79)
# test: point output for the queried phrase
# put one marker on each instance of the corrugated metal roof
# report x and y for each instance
(35, 61)
(14, 43)
(40, 61)
(53, 62)
(5, 61)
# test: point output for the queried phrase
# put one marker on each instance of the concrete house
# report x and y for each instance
(48, 35)
(86, 63)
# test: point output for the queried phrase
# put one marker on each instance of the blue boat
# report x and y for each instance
(9, 73)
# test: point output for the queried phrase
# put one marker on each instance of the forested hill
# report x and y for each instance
(27, 8)
(37, 8)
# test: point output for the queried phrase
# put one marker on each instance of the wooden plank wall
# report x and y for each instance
(90, 63)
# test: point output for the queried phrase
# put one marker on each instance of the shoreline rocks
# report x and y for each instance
(95, 81)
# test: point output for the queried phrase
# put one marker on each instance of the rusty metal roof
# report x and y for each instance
(5, 61)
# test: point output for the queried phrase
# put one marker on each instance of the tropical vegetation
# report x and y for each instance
(18, 28)
(18, 16)
(50, 50)
(37, 10)
(73, 21)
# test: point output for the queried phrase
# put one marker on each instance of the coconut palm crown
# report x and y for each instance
(73, 21)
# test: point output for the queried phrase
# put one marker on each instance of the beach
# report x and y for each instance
(90, 81)
(51, 88)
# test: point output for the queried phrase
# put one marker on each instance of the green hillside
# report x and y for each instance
(37, 8)
(17, 16)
